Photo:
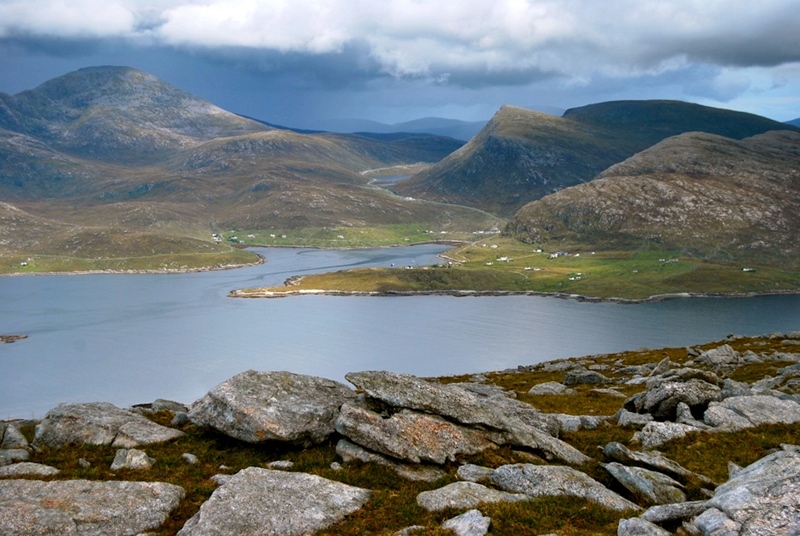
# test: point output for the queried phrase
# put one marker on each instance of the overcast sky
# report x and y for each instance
(298, 62)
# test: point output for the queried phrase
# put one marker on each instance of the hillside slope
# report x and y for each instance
(523, 155)
(696, 193)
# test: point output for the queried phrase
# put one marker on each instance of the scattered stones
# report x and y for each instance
(99, 423)
(85, 507)
(84, 463)
(258, 501)
(551, 388)
(191, 459)
(131, 459)
(411, 436)
(350, 452)
(652, 486)
(470, 523)
(27, 469)
(636, 420)
(460, 495)
(573, 423)
(557, 481)
(272, 406)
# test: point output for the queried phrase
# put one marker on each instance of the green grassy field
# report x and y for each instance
(504, 264)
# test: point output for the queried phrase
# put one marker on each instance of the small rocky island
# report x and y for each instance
(12, 338)
(691, 441)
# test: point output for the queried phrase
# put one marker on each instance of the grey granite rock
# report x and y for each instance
(557, 481)
(350, 452)
(470, 523)
(636, 420)
(272, 406)
(86, 508)
(662, 400)
(474, 473)
(11, 437)
(585, 377)
(10, 456)
(740, 412)
(762, 498)
(651, 460)
(573, 423)
(671, 513)
(654, 434)
(99, 423)
(258, 501)
(651, 486)
(639, 527)
(411, 436)
(550, 388)
(460, 495)
(27, 469)
(131, 459)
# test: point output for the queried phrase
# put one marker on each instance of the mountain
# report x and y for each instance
(438, 126)
(695, 193)
(522, 155)
(794, 122)
(114, 155)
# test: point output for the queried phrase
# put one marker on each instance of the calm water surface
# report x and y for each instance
(128, 339)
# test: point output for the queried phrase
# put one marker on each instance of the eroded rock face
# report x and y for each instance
(99, 423)
(763, 498)
(557, 481)
(272, 406)
(258, 501)
(73, 507)
(411, 436)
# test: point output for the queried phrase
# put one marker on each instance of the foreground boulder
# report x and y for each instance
(557, 481)
(763, 498)
(411, 436)
(740, 412)
(99, 423)
(273, 406)
(84, 507)
(258, 501)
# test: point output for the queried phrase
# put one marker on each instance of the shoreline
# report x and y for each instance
(165, 271)
(484, 293)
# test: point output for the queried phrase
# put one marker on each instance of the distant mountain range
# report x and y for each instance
(794, 122)
(523, 155)
(451, 128)
(114, 159)
(113, 148)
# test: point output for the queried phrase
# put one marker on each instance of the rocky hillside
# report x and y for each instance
(696, 193)
(681, 440)
(112, 150)
(523, 155)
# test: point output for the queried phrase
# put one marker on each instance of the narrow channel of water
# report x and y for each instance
(127, 339)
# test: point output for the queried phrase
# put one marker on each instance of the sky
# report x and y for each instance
(306, 63)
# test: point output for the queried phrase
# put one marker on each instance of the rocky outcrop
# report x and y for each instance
(557, 481)
(510, 421)
(652, 486)
(258, 501)
(272, 406)
(99, 423)
(85, 507)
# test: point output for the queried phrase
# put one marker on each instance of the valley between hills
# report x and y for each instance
(111, 169)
